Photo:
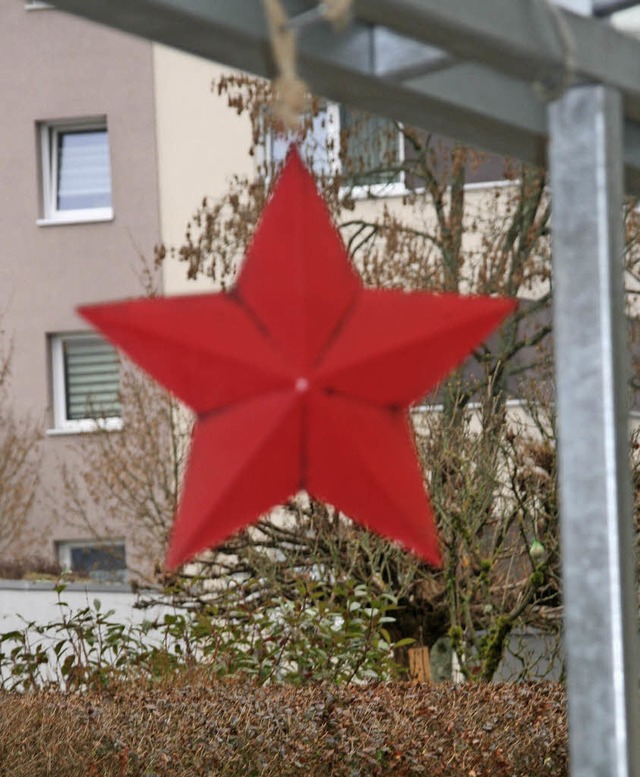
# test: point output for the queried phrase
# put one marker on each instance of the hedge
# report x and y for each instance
(238, 729)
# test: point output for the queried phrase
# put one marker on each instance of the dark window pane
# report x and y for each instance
(369, 148)
(480, 167)
(99, 562)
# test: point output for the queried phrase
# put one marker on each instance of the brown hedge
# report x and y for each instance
(239, 729)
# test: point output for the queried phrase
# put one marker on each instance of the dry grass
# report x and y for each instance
(234, 728)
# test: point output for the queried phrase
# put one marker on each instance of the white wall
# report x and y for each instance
(23, 601)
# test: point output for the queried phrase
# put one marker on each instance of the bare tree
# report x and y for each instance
(20, 453)
(486, 437)
(491, 475)
(128, 481)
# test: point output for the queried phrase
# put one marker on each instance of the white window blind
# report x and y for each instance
(83, 170)
(92, 378)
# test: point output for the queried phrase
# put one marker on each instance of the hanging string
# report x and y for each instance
(290, 92)
(546, 91)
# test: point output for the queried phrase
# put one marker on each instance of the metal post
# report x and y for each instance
(591, 379)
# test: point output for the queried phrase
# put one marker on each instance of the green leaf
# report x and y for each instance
(404, 642)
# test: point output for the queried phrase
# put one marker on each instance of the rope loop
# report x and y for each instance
(291, 93)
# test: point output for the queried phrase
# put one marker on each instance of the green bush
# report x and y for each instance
(340, 638)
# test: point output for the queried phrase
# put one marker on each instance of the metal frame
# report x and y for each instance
(592, 417)
(515, 77)
(478, 72)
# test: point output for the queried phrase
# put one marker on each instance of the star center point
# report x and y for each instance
(301, 385)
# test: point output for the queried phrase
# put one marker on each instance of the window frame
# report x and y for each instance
(64, 549)
(62, 424)
(49, 132)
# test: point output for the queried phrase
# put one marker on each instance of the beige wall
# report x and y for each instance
(54, 66)
(201, 145)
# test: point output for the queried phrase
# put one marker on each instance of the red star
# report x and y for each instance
(300, 379)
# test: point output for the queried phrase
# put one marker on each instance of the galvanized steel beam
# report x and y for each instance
(367, 67)
(526, 39)
(592, 416)
(521, 38)
(377, 70)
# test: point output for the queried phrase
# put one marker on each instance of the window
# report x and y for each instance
(314, 147)
(367, 149)
(76, 172)
(86, 382)
(371, 148)
(482, 169)
(103, 561)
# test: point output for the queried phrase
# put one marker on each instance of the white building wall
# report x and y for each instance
(23, 601)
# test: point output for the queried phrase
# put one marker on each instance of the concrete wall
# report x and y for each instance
(22, 602)
(37, 604)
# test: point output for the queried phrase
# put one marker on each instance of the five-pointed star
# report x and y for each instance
(300, 378)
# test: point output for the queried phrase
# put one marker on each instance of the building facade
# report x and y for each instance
(79, 198)
(107, 145)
